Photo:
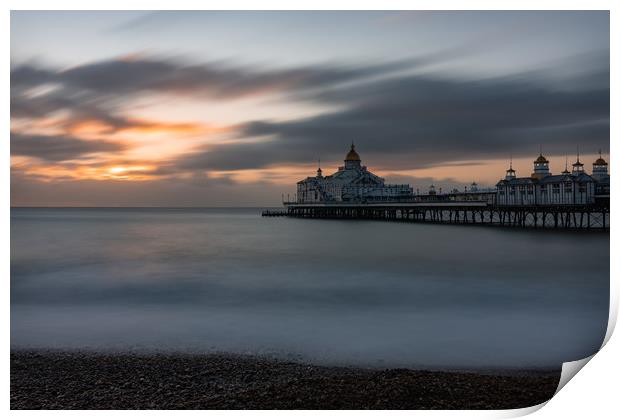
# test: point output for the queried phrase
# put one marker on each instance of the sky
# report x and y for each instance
(233, 108)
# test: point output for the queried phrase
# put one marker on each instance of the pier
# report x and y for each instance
(542, 200)
(274, 213)
(585, 216)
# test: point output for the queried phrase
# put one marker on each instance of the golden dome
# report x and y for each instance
(600, 161)
(541, 159)
(352, 155)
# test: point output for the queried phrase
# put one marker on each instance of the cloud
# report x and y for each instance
(24, 105)
(59, 148)
(136, 75)
(398, 119)
(416, 121)
(95, 95)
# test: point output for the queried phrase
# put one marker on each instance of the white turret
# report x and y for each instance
(510, 173)
(600, 168)
(541, 167)
(578, 167)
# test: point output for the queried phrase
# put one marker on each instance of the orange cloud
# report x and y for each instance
(98, 127)
(120, 170)
(132, 172)
(87, 128)
(63, 123)
(142, 126)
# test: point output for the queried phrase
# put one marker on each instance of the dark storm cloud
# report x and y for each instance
(80, 109)
(29, 75)
(416, 121)
(214, 79)
(37, 107)
(58, 148)
(79, 106)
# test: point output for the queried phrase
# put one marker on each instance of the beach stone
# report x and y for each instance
(65, 380)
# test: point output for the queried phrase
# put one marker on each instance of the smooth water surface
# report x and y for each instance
(337, 292)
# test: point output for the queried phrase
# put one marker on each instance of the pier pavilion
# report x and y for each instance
(571, 200)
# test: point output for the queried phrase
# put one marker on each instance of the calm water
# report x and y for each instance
(354, 292)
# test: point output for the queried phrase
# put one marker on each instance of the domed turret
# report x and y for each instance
(599, 168)
(352, 155)
(541, 167)
(352, 160)
(541, 159)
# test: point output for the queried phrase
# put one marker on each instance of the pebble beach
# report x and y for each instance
(83, 380)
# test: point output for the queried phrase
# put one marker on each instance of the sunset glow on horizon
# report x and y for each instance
(232, 108)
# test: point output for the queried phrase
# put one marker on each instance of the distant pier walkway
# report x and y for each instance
(274, 213)
(591, 216)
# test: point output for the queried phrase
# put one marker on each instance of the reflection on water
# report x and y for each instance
(361, 292)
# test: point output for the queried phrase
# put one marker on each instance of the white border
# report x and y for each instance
(592, 395)
(312, 5)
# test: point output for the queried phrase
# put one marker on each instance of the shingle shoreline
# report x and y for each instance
(82, 380)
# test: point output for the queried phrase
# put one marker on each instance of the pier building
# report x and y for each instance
(353, 182)
(544, 188)
(570, 200)
(600, 173)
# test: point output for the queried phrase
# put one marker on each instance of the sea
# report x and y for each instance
(333, 292)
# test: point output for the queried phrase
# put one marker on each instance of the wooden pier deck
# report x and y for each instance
(590, 216)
